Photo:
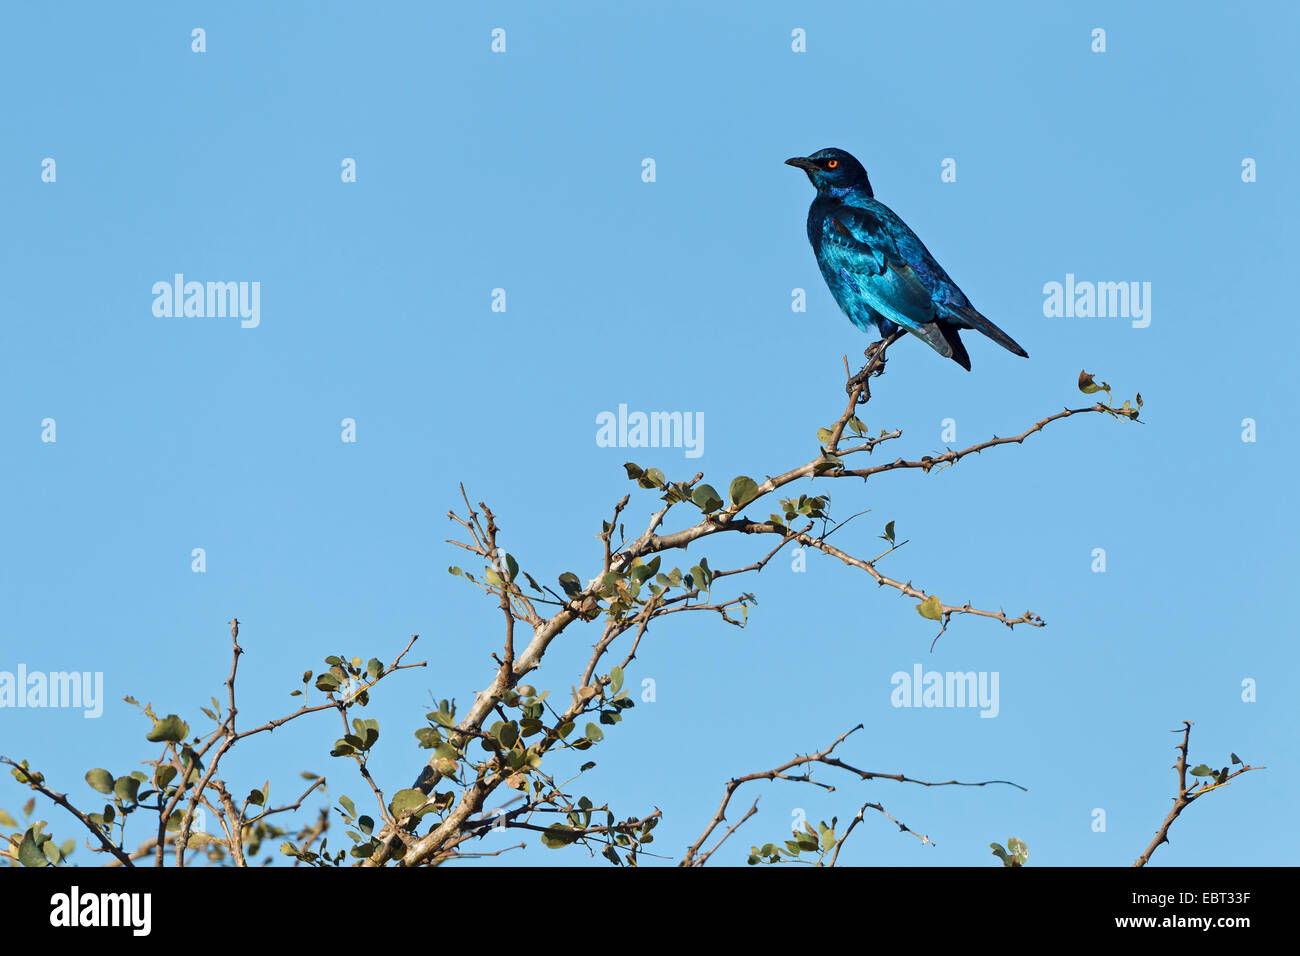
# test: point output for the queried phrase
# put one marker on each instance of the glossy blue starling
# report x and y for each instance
(877, 269)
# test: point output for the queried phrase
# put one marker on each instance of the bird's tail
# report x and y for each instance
(967, 316)
(943, 338)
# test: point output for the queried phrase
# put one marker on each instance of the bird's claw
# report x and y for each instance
(875, 366)
(859, 380)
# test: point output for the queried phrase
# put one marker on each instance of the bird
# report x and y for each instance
(879, 272)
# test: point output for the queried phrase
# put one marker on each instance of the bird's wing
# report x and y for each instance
(951, 305)
(859, 246)
(943, 291)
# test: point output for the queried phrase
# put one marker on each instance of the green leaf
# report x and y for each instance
(743, 490)
(100, 779)
(1201, 770)
(6, 820)
(405, 802)
(29, 851)
(824, 435)
(348, 805)
(931, 608)
(706, 498)
(125, 788)
(512, 566)
(170, 729)
(558, 836)
(594, 734)
(615, 679)
(889, 532)
(633, 471)
(570, 583)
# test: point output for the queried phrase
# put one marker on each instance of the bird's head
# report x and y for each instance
(833, 168)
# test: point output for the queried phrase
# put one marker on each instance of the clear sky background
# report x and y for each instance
(522, 171)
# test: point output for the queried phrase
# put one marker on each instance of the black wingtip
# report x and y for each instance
(956, 348)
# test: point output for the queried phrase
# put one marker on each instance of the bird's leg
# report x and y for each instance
(865, 373)
(875, 356)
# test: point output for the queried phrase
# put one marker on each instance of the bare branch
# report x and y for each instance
(1187, 795)
(781, 773)
(857, 818)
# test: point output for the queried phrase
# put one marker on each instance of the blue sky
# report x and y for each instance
(522, 171)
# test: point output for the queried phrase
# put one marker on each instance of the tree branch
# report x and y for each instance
(1187, 795)
(781, 773)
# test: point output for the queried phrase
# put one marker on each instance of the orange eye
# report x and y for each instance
(832, 164)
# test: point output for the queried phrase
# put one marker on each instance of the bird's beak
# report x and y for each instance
(802, 162)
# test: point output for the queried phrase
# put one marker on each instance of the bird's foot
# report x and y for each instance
(875, 355)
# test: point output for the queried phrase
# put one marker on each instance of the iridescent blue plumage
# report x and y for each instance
(879, 272)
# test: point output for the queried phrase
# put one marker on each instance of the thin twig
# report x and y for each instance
(1186, 795)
